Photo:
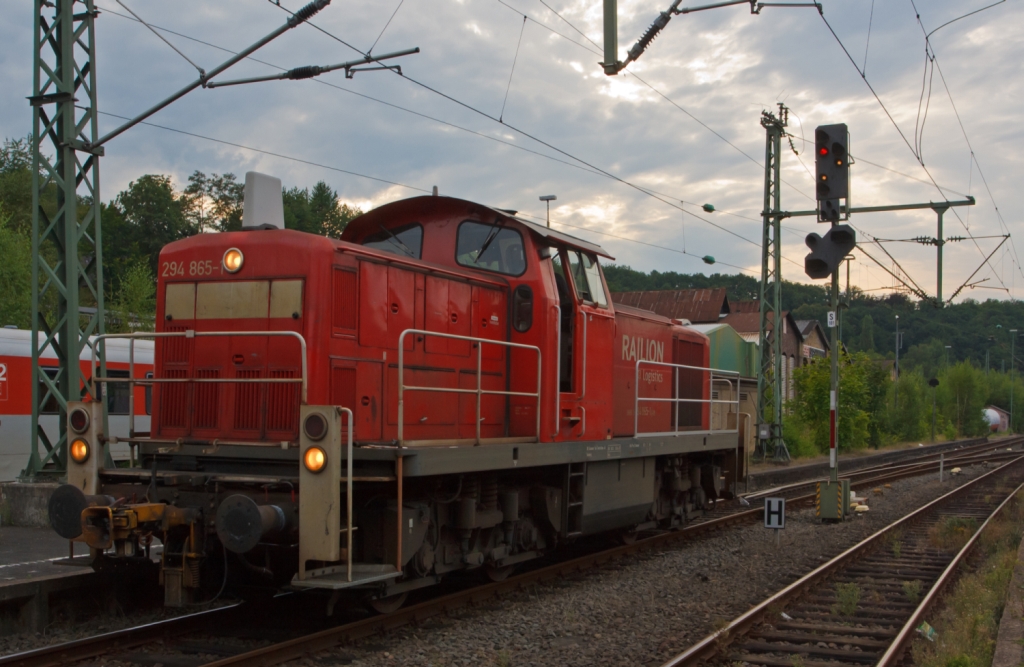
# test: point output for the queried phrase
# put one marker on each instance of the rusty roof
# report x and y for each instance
(696, 305)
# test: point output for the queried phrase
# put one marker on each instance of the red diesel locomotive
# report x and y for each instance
(447, 387)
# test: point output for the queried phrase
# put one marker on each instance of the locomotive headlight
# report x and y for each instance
(79, 420)
(79, 450)
(315, 459)
(233, 260)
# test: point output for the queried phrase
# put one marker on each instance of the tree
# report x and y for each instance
(963, 394)
(143, 219)
(214, 203)
(15, 275)
(317, 211)
(133, 307)
(16, 183)
(866, 340)
(859, 383)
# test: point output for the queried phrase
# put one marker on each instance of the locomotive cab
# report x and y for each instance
(446, 387)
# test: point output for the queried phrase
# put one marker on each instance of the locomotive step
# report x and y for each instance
(335, 577)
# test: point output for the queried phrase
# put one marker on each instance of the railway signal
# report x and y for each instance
(828, 251)
(831, 169)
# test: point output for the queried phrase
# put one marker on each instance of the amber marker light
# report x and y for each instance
(315, 459)
(233, 260)
(79, 450)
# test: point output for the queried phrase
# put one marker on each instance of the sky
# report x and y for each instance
(502, 110)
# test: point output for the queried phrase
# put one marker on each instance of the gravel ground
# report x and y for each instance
(637, 611)
(641, 610)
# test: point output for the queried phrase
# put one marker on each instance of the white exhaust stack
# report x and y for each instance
(263, 207)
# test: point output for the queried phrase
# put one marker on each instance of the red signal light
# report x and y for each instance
(822, 151)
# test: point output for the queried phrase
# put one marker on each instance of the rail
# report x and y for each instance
(710, 375)
(132, 381)
(479, 392)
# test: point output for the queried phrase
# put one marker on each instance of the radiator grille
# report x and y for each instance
(248, 405)
(207, 400)
(175, 347)
(174, 400)
(282, 403)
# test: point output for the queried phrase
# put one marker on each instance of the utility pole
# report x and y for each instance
(1013, 364)
(896, 386)
(769, 378)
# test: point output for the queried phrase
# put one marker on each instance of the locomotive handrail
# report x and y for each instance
(348, 497)
(713, 375)
(479, 391)
(189, 333)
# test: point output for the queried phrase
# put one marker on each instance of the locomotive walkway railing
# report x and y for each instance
(710, 376)
(132, 381)
(479, 391)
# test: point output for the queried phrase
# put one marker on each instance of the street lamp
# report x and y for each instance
(948, 348)
(548, 199)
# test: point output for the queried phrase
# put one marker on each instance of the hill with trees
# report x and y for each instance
(136, 224)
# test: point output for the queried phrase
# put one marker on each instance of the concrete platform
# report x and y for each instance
(27, 553)
(32, 583)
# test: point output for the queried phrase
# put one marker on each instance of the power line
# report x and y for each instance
(270, 153)
(370, 50)
(580, 164)
(650, 245)
(903, 136)
(526, 134)
(515, 59)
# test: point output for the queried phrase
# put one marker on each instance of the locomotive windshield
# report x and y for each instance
(490, 247)
(587, 277)
(405, 240)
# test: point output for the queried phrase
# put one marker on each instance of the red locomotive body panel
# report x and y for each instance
(351, 300)
(441, 325)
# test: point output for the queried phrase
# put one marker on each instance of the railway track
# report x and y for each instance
(858, 608)
(116, 644)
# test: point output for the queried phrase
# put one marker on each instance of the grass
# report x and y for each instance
(847, 599)
(952, 533)
(912, 589)
(894, 540)
(969, 621)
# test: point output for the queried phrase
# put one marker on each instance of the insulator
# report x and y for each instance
(307, 72)
(649, 36)
(307, 12)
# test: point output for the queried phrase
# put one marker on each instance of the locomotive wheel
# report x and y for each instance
(629, 536)
(498, 573)
(388, 605)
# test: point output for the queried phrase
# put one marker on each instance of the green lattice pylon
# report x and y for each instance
(770, 389)
(67, 259)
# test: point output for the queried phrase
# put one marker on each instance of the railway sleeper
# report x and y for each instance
(812, 650)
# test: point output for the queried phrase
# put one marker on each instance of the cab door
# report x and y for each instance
(587, 329)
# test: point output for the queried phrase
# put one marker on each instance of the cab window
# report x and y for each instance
(491, 247)
(406, 240)
(587, 277)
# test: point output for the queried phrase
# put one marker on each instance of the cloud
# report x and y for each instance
(720, 68)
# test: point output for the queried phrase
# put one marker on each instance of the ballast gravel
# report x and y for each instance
(641, 610)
